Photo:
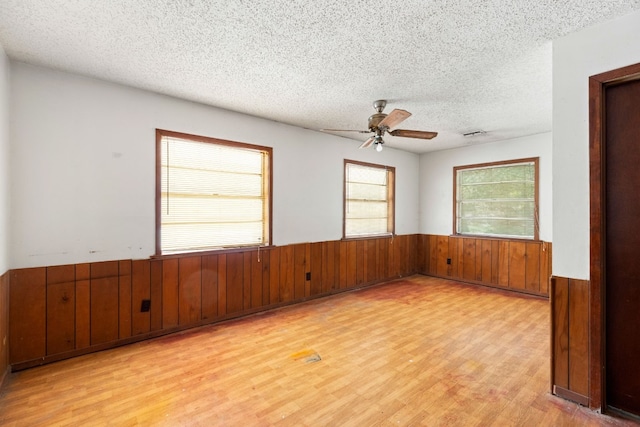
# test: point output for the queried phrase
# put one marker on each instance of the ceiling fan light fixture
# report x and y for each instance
(377, 142)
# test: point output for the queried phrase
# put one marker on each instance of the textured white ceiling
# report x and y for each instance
(457, 65)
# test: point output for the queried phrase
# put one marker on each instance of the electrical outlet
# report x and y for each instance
(145, 306)
(449, 261)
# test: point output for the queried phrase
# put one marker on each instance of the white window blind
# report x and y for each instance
(498, 200)
(212, 195)
(369, 201)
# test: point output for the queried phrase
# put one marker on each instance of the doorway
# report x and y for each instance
(615, 240)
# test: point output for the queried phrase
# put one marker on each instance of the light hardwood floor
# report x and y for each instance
(420, 351)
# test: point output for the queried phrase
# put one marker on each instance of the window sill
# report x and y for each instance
(482, 236)
(373, 236)
(207, 252)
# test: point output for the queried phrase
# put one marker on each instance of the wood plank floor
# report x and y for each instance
(420, 351)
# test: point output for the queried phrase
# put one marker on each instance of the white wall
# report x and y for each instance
(83, 169)
(576, 57)
(436, 179)
(4, 162)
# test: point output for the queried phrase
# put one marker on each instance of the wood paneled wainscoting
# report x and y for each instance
(4, 326)
(56, 312)
(518, 265)
(570, 339)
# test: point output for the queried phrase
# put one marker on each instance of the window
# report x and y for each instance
(497, 199)
(369, 199)
(210, 194)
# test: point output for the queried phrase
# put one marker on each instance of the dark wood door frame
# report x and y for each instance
(597, 141)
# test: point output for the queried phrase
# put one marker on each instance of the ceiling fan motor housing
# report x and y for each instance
(374, 120)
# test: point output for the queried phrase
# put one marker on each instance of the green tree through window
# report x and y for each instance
(497, 199)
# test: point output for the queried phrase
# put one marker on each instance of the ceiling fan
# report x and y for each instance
(381, 123)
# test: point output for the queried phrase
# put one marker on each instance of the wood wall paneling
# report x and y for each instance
(264, 259)
(307, 269)
(487, 261)
(545, 268)
(360, 275)
(61, 309)
(495, 262)
(246, 281)
(579, 336)
(457, 258)
(532, 267)
(72, 309)
(189, 290)
(392, 255)
(517, 265)
(371, 260)
(274, 276)
(170, 293)
(209, 286)
(287, 273)
(412, 254)
(125, 295)
(513, 264)
(504, 257)
(430, 260)
(381, 269)
(104, 290)
(299, 271)
(478, 258)
(468, 260)
(333, 252)
(430, 256)
(403, 257)
(155, 315)
(395, 254)
(570, 338)
(560, 332)
(27, 314)
(423, 251)
(325, 272)
(396, 258)
(140, 290)
(4, 326)
(235, 282)
(450, 257)
(316, 269)
(257, 280)
(83, 306)
(371, 257)
(342, 265)
(433, 255)
(383, 259)
(351, 260)
(222, 285)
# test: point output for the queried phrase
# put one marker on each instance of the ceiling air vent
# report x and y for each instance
(474, 133)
